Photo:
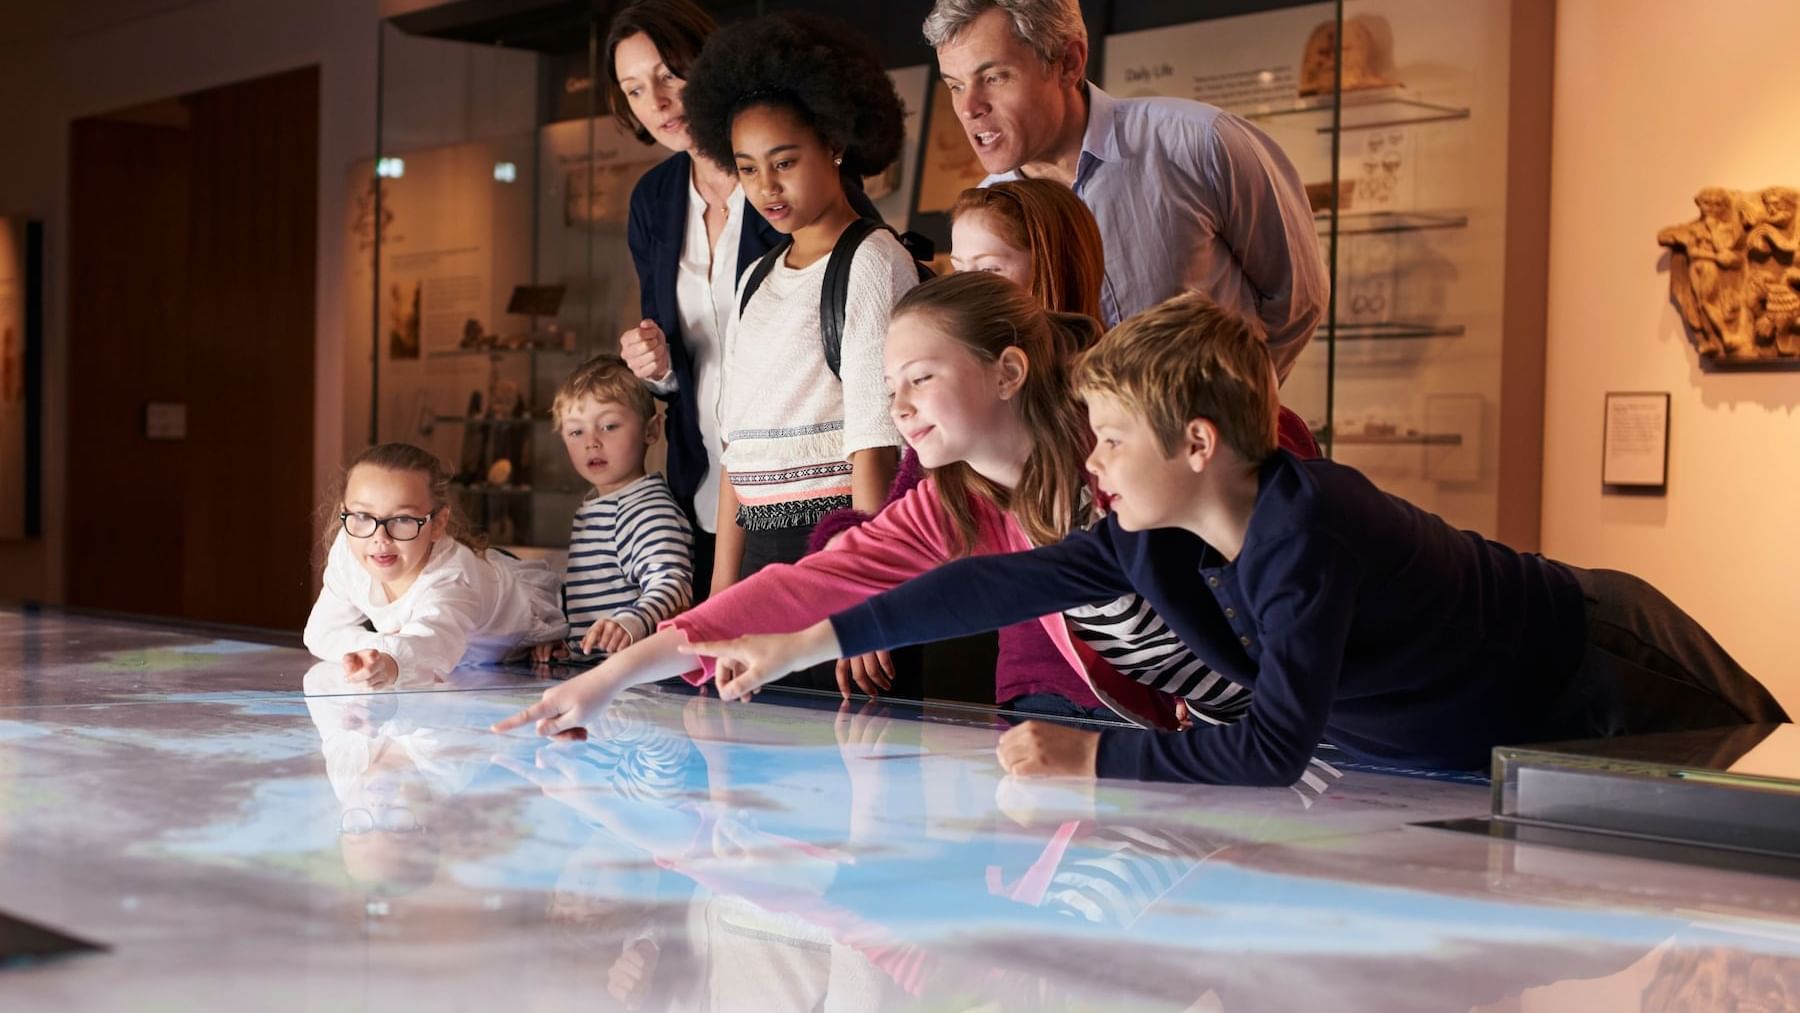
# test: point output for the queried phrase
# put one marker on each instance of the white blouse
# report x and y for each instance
(704, 288)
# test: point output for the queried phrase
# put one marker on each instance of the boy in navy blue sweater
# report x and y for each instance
(1356, 617)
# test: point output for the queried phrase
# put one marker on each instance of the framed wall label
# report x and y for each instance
(1635, 457)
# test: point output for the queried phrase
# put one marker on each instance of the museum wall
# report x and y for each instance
(50, 82)
(1655, 99)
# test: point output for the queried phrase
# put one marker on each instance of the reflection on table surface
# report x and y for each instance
(258, 828)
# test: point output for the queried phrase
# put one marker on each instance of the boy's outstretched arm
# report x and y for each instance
(984, 593)
(966, 596)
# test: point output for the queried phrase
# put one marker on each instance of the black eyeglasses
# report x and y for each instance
(400, 527)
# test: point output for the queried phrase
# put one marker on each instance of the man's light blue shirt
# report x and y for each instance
(1189, 196)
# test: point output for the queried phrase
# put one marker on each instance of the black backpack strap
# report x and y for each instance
(835, 299)
(922, 250)
(759, 271)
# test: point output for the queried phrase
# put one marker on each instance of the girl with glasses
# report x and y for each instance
(405, 593)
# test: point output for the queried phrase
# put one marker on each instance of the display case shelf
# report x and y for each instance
(1402, 161)
(1399, 440)
(1371, 223)
(1361, 110)
(1391, 331)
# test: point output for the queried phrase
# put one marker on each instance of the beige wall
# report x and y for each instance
(49, 82)
(1655, 99)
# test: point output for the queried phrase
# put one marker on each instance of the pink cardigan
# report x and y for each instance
(1028, 662)
(908, 538)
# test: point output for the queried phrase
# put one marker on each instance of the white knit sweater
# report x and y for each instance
(789, 425)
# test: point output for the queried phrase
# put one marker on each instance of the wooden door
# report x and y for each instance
(192, 281)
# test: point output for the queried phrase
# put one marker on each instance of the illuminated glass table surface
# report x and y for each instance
(241, 829)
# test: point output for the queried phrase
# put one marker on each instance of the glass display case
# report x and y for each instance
(1405, 161)
(490, 236)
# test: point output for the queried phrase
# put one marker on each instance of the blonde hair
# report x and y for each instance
(402, 457)
(1053, 226)
(604, 378)
(988, 314)
(1185, 359)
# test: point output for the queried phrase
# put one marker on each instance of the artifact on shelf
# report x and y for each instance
(1379, 166)
(471, 333)
(553, 337)
(1367, 41)
(403, 319)
(1318, 195)
(536, 300)
(1368, 282)
(1733, 275)
(510, 444)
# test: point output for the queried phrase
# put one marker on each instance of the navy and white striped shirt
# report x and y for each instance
(1132, 638)
(631, 560)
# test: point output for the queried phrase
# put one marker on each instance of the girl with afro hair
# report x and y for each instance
(692, 236)
(800, 109)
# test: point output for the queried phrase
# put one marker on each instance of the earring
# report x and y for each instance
(838, 160)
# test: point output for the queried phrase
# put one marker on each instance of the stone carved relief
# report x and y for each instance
(1733, 274)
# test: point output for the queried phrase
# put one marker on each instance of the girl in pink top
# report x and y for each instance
(977, 371)
(1037, 234)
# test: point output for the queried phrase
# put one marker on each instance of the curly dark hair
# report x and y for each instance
(821, 69)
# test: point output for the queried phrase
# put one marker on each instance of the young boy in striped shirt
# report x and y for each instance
(631, 552)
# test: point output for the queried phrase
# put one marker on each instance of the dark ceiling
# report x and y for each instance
(561, 26)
